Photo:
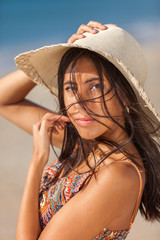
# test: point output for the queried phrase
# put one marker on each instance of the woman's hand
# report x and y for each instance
(41, 135)
(91, 27)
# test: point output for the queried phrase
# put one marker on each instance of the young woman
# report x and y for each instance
(106, 128)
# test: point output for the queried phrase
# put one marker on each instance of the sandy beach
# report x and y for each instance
(16, 151)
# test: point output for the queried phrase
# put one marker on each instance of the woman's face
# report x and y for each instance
(86, 84)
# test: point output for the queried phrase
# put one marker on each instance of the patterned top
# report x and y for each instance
(60, 192)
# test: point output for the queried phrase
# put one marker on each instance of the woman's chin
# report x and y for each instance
(92, 131)
(88, 135)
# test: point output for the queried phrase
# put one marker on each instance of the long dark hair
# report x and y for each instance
(141, 130)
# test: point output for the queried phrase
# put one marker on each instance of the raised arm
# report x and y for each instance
(20, 111)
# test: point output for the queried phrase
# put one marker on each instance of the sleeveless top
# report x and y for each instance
(63, 189)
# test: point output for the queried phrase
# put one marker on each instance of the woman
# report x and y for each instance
(109, 163)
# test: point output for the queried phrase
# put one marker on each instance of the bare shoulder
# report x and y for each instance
(115, 191)
(119, 184)
(122, 171)
(122, 175)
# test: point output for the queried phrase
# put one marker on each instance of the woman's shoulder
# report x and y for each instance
(123, 174)
(116, 187)
(120, 166)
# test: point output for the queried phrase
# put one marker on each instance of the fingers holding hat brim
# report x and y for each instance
(97, 25)
(75, 37)
(92, 27)
(79, 34)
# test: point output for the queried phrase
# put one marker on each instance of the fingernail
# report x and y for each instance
(94, 30)
(104, 26)
(82, 36)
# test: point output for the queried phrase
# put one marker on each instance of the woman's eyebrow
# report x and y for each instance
(70, 82)
(91, 80)
(74, 83)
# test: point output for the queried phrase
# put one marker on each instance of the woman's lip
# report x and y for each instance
(84, 121)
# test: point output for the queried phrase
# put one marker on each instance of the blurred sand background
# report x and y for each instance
(26, 25)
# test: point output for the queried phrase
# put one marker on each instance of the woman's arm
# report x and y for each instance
(13, 106)
(28, 226)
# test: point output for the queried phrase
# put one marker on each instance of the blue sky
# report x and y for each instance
(44, 21)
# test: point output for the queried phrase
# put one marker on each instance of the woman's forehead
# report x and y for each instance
(83, 65)
(83, 69)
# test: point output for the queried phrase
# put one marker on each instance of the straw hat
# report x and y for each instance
(115, 44)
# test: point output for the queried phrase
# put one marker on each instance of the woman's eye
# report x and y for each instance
(70, 89)
(95, 86)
